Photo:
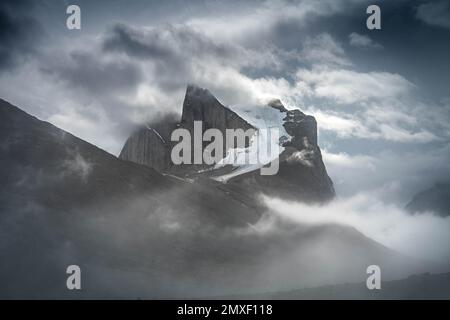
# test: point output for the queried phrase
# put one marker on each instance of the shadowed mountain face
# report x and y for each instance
(57, 170)
(302, 174)
(435, 199)
(137, 233)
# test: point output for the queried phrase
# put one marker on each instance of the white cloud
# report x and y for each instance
(324, 50)
(393, 176)
(367, 105)
(362, 125)
(363, 41)
(423, 236)
(98, 130)
(344, 160)
(398, 134)
(304, 157)
(347, 86)
(345, 126)
(79, 166)
(260, 21)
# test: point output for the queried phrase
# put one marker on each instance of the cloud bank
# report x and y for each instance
(423, 236)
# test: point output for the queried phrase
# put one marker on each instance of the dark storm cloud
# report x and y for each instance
(88, 72)
(129, 41)
(179, 54)
(153, 46)
(414, 49)
(435, 13)
(170, 50)
(124, 39)
(19, 32)
(174, 46)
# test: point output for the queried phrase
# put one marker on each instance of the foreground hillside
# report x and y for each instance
(136, 233)
(422, 286)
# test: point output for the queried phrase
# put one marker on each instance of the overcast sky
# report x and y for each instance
(381, 97)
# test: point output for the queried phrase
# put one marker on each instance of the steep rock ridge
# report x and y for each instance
(302, 174)
(150, 145)
(297, 124)
(200, 105)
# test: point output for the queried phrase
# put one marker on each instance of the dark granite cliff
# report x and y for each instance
(150, 145)
(200, 105)
(302, 174)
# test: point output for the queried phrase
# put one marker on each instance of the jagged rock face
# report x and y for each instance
(200, 105)
(298, 125)
(296, 180)
(302, 174)
(145, 147)
(150, 145)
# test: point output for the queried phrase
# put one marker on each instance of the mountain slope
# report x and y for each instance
(54, 168)
(48, 164)
(138, 233)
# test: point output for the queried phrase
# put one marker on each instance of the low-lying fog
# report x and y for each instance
(425, 235)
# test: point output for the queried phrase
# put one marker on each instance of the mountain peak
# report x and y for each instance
(195, 90)
(277, 104)
(201, 105)
(302, 174)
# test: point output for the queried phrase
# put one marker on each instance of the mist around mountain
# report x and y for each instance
(139, 233)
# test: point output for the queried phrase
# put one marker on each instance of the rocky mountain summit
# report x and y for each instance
(302, 174)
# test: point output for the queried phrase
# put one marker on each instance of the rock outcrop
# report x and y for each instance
(302, 174)
(200, 105)
(150, 145)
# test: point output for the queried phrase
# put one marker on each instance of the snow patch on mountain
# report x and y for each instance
(265, 146)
